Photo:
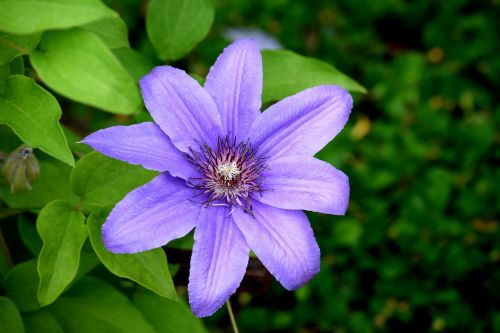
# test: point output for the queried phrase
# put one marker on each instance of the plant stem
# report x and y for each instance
(5, 249)
(231, 317)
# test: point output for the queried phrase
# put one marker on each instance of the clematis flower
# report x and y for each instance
(240, 177)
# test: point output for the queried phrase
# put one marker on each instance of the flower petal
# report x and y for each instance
(143, 144)
(302, 124)
(151, 216)
(284, 242)
(218, 263)
(303, 182)
(235, 84)
(181, 107)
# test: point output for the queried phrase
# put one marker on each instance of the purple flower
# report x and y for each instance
(241, 177)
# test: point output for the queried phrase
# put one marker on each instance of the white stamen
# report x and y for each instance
(228, 170)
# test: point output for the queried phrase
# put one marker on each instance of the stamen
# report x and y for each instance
(229, 174)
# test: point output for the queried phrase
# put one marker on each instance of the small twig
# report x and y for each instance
(231, 317)
(5, 250)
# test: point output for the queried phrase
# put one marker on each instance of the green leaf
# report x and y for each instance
(88, 261)
(12, 46)
(21, 284)
(136, 63)
(94, 306)
(175, 27)
(112, 31)
(74, 142)
(286, 73)
(101, 180)
(52, 184)
(16, 66)
(4, 74)
(78, 65)
(33, 114)
(166, 315)
(41, 322)
(8, 140)
(29, 235)
(28, 16)
(148, 268)
(63, 232)
(10, 318)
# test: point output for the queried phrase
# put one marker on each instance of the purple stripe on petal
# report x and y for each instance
(218, 263)
(284, 242)
(181, 107)
(302, 124)
(143, 144)
(151, 216)
(303, 182)
(235, 84)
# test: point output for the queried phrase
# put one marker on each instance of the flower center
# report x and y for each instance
(229, 174)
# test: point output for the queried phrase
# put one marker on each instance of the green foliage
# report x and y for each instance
(41, 322)
(33, 114)
(21, 285)
(94, 306)
(175, 27)
(29, 235)
(16, 66)
(12, 46)
(134, 62)
(112, 31)
(101, 181)
(63, 232)
(28, 16)
(286, 73)
(166, 315)
(10, 318)
(147, 268)
(78, 65)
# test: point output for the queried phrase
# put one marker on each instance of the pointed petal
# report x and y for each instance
(181, 107)
(151, 216)
(143, 144)
(303, 182)
(235, 84)
(302, 124)
(284, 242)
(218, 263)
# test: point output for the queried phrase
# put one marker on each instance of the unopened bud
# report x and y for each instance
(21, 169)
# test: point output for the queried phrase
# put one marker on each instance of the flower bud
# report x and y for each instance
(21, 169)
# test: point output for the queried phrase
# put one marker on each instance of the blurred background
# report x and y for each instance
(419, 249)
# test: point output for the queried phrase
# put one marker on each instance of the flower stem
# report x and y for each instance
(231, 316)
